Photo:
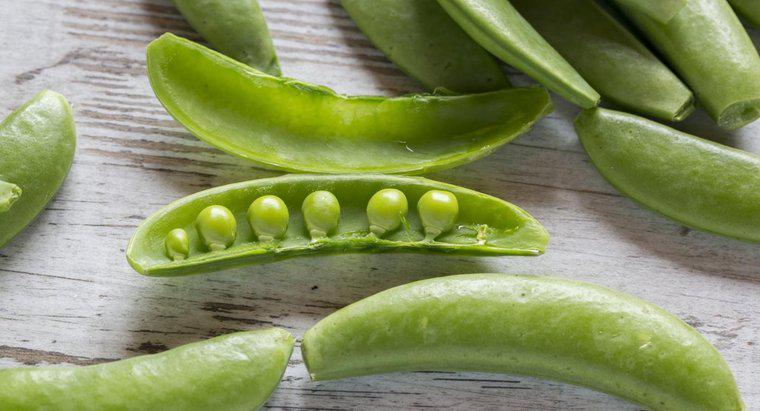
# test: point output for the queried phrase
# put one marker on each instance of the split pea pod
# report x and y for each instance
(749, 9)
(234, 27)
(427, 44)
(660, 10)
(526, 325)
(321, 214)
(708, 46)
(288, 125)
(609, 57)
(696, 182)
(232, 372)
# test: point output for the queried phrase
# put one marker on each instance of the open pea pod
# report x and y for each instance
(288, 125)
(427, 44)
(536, 326)
(500, 29)
(749, 9)
(696, 182)
(295, 215)
(660, 10)
(609, 57)
(37, 144)
(232, 372)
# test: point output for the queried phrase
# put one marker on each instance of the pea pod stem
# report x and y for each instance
(659, 10)
(748, 9)
(9, 194)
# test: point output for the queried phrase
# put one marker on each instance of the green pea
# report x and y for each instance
(9, 194)
(321, 211)
(438, 212)
(268, 216)
(217, 227)
(386, 211)
(177, 244)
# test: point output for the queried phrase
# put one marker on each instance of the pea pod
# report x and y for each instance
(612, 59)
(233, 372)
(749, 9)
(500, 29)
(37, 144)
(483, 225)
(709, 48)
(537, 326)
(423, 41)
(234, 27)
(696, 182)
(287, 125)
(660, 10)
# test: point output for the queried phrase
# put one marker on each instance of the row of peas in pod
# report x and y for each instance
(269, 217)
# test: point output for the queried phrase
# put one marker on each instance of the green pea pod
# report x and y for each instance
(500, 29)
(234, 27)
(423, 40)
(709, 48)
(483, 225)
(233, 372)
(37, 144)
(660, 10)
(536, 326)
(749, 9)
(696, 182)
(287, 125)
(612, 59)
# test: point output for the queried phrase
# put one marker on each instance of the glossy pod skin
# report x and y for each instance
(748, 9)
(536, 326)
(660, 10)
(483, 225)
(287, 125)
(234, 27)
(37, 144)
(233, 372)
(609, 57)
(696, 182)
(427, 44)
(500, 29)
(709, 48)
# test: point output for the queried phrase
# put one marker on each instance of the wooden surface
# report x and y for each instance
(67, 295)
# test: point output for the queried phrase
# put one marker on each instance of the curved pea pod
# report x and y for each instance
(696, 182)
(233, 372)
(234, 27)
(287, 125)
(707, 45)
(659, 10)
(536, 326)
(484, 225)
(500, 29)
(612, 59)
(37, 144)
(423, 41)
(749, 9)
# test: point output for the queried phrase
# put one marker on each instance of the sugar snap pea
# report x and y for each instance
(334, 214)
(37, 144)
(538, 326)
(500, 29)
(284, 124)
(234, 27)
(423, 40)
(660, 10)
(696, 182)
(709, 48)
(609, 57)
(749, 9)
(233, 372)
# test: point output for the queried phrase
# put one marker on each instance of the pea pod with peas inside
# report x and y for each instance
(276, 218)
(288, 125)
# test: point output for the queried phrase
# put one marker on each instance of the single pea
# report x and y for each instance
(177, 244)
(438, 212)
(386, 211)
(321, 212)
(268, 217)
(217, 227)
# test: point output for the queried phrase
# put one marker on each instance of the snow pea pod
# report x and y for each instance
(696, 182)
(749, 9)
(423, 40)
(537, 326)
(612, 59)
(660, 10)
(709, 48)
(288, 125)
(233, 372)
(335, 214)
(500, 29)
(234, 27)
(37, 144)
